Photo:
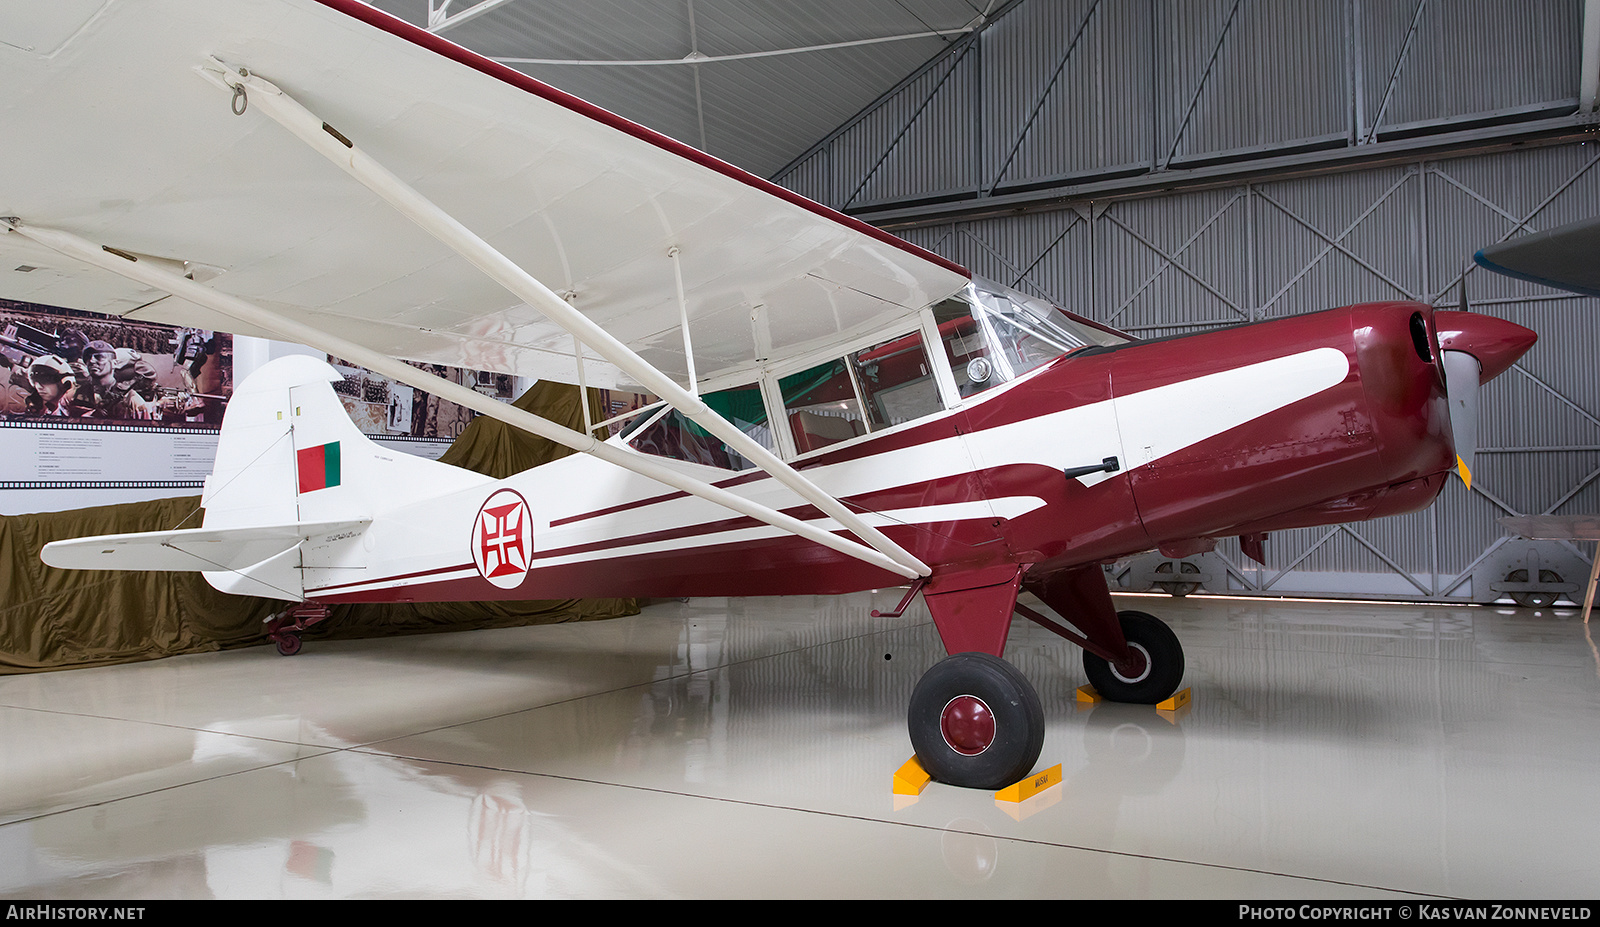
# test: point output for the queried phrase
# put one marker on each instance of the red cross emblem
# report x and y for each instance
(502, 539)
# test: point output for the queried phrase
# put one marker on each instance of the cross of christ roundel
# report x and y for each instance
(502, 539)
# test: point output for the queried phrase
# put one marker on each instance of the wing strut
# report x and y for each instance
(328, 142)
(683, 319)
(152, 274)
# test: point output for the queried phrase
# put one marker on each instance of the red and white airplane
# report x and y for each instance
(840, 410)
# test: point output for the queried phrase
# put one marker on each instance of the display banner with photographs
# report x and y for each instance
(406, 418)
(382, 407)
(95, 401)
(61, 364)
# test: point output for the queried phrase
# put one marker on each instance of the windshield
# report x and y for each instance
(994, 334)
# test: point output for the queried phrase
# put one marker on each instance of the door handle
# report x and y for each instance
(1109, 465)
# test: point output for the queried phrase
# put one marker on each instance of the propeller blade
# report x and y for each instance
(1461, 375)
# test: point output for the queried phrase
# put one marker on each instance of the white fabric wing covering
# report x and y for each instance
(111, 134)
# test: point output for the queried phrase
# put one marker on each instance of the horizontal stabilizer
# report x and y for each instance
(190, 549)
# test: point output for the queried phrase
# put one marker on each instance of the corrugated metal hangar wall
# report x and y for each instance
(1170, 165)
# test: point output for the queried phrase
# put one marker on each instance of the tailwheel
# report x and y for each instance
(976, 722)
(1154, 670)
(284, 628)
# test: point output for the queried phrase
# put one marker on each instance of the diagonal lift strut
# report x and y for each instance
(150, 273)
(336, 147)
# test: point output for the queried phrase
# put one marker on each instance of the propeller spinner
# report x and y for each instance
(1474, 349)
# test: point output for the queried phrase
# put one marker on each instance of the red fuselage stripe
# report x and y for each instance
(614, 509)
(395, 578)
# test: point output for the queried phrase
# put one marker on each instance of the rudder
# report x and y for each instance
(289, 454)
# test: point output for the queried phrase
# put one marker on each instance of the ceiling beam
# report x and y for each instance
(439, 19)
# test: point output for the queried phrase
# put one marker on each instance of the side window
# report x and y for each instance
(896, 381)
(822, 405)
(675, 436)
(965, 347)
(996, 334)
(870, 390)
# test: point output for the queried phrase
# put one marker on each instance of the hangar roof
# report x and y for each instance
(753, 82)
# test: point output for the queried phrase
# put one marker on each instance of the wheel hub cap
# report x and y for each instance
(967, 725)
(1137, 667)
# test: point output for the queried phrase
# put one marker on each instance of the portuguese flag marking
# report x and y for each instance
(318, 466)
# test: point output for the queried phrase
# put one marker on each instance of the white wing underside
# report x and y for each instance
(112, 134)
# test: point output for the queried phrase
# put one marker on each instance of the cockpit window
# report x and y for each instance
(896, 382)
(822, 405)
(878, 387)
(675, 436)
(993, 334)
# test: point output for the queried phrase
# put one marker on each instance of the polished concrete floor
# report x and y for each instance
(744, 748)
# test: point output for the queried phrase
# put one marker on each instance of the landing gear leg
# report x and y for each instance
(974, 719)
(1129, 656)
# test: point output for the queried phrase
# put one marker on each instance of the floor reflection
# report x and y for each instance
(744, 748)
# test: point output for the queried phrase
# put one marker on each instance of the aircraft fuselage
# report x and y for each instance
(1335, 416)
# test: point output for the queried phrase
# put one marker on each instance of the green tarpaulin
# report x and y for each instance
(59, 619)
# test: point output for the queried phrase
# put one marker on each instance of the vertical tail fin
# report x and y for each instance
(289, 454)
(282, 415)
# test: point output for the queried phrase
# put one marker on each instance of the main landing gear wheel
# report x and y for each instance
(976, 722)
(1155, 670)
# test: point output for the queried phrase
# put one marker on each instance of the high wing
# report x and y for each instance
(494, 222)
(114, 135)
(1563, 257)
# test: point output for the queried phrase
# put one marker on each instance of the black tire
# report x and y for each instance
(1007, 752)
(1163, 669)
(288, 644)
